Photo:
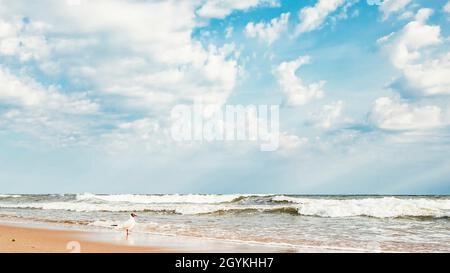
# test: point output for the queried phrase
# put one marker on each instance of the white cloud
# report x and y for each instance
(406, 15)
(447, 7)
(212, 77)
(45, 113)
(420, 74)
(28, 40)
(344, 12)
(329, 115)
(268, 32)
(390, 114)
(312, 18)
(293, 87)
(25, 92)
(156, 54)
(290, 142)
(223, 8)
(404, 46)
(55, 129)
(389, 7)
(135, 62)
(144, 134)
(430, 77)
(143, 126)
(24, 40)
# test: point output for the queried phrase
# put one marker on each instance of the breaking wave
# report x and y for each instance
(9, 196)
(196, 204)
(164, 199)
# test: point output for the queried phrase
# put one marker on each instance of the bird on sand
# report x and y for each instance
(129, 224)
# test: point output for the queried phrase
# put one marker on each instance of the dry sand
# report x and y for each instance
(36, 240)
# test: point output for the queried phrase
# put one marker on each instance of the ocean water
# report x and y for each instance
(341, 223)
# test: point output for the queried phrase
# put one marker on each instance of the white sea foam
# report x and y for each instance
(9, 196)
(166, 199)
(284, 198)
(380, 207)
(186, 209)
(384, 207)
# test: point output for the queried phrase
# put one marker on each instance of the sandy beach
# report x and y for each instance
(39, 240)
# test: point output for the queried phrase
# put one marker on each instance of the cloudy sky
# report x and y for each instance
(86, 89)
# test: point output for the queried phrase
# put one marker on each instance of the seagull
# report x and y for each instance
(129, 224)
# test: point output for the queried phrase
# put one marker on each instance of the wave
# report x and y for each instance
(182, 209)
(10, 196)
(162, 199)
(378, 207)
(283, 210)
(256, 199)
(286, 199)
(384, 207)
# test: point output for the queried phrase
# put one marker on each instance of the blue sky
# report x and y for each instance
(86, 89)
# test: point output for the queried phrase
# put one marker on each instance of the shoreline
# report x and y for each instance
(50, 238)
(25, 239)
(35, 237)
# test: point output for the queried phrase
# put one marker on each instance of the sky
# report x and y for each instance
(87, 88)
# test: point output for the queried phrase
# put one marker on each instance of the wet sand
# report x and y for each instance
(39, 240)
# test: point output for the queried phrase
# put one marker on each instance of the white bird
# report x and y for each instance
(129, 224)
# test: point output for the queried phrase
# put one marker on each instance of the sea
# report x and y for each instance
(290, 223)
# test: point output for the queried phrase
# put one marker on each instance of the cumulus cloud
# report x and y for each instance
(404, 46)
(27, 93)
(290, 142)
(447, 7)
(145, 50)
(329, 115)
(212, 77)
(391, 114)
(389, 7)
(28, 40)
(145, 133)
(292, 86)
(144, 125)
(428, 78)
(313, 17)
(268, 32)
(421, 75)
(223, 8)
(45, 113)
(23, 39)
(131, 61)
